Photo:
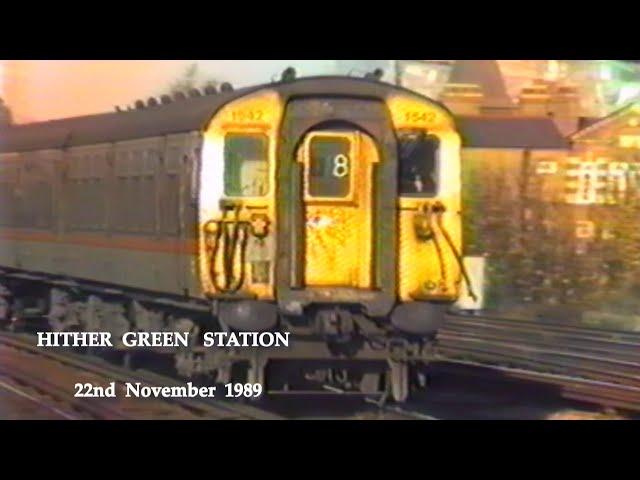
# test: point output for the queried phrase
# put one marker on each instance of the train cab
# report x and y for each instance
(332, 205)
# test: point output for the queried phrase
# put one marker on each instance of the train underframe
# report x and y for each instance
(332, 348)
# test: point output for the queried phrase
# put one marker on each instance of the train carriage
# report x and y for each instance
(327, 207)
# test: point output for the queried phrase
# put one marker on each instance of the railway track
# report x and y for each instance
(48, 377)
(22, 364)
(586, 364)
(30, 403)
(594, 366)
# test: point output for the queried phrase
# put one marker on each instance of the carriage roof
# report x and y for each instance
(181, 116)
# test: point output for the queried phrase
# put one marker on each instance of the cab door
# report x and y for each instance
(338, 199)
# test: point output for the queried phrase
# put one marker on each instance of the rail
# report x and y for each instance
(41, 370)
(588, 364)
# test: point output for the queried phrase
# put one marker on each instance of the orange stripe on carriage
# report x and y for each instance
(123, 242)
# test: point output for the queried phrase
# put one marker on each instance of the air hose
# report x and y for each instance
(234, 235)
(439, 210)
(443, 268)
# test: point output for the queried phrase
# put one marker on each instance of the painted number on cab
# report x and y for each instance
(247, 115)
(414, 117)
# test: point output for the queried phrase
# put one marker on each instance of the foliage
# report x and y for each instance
(191, 78)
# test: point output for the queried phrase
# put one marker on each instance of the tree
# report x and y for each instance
(191, 79)
(6, 118)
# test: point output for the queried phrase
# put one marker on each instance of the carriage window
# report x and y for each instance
(418, 159)
(330, 167)
(246, 165)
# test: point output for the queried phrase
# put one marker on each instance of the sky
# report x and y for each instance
(40, 90)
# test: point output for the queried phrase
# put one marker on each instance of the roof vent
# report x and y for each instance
(226, 87)
(139, 105)
(152, 102)
(289, 75)
(210, 89)
(179, 96)
(165, 99)
(377, 74)
(194, 92)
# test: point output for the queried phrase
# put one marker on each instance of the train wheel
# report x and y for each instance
(256, 373)
(399, 380)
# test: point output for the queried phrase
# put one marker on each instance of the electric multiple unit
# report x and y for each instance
(326, 207)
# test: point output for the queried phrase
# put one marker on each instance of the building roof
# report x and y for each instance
(593, 124)
(514, 132)
(487, 75)
(586, 122)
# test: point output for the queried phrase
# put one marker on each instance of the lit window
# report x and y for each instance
(584, 179)
(585, 230)
(630, 141)
(546, 167)
(246, 165)
(599, 182)
(617, 182)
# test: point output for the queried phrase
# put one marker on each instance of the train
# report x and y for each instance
(325, 207)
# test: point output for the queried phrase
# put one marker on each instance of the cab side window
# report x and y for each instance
(418, 155)
(246, 165)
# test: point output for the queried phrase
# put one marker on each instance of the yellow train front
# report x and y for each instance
(330, 208)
